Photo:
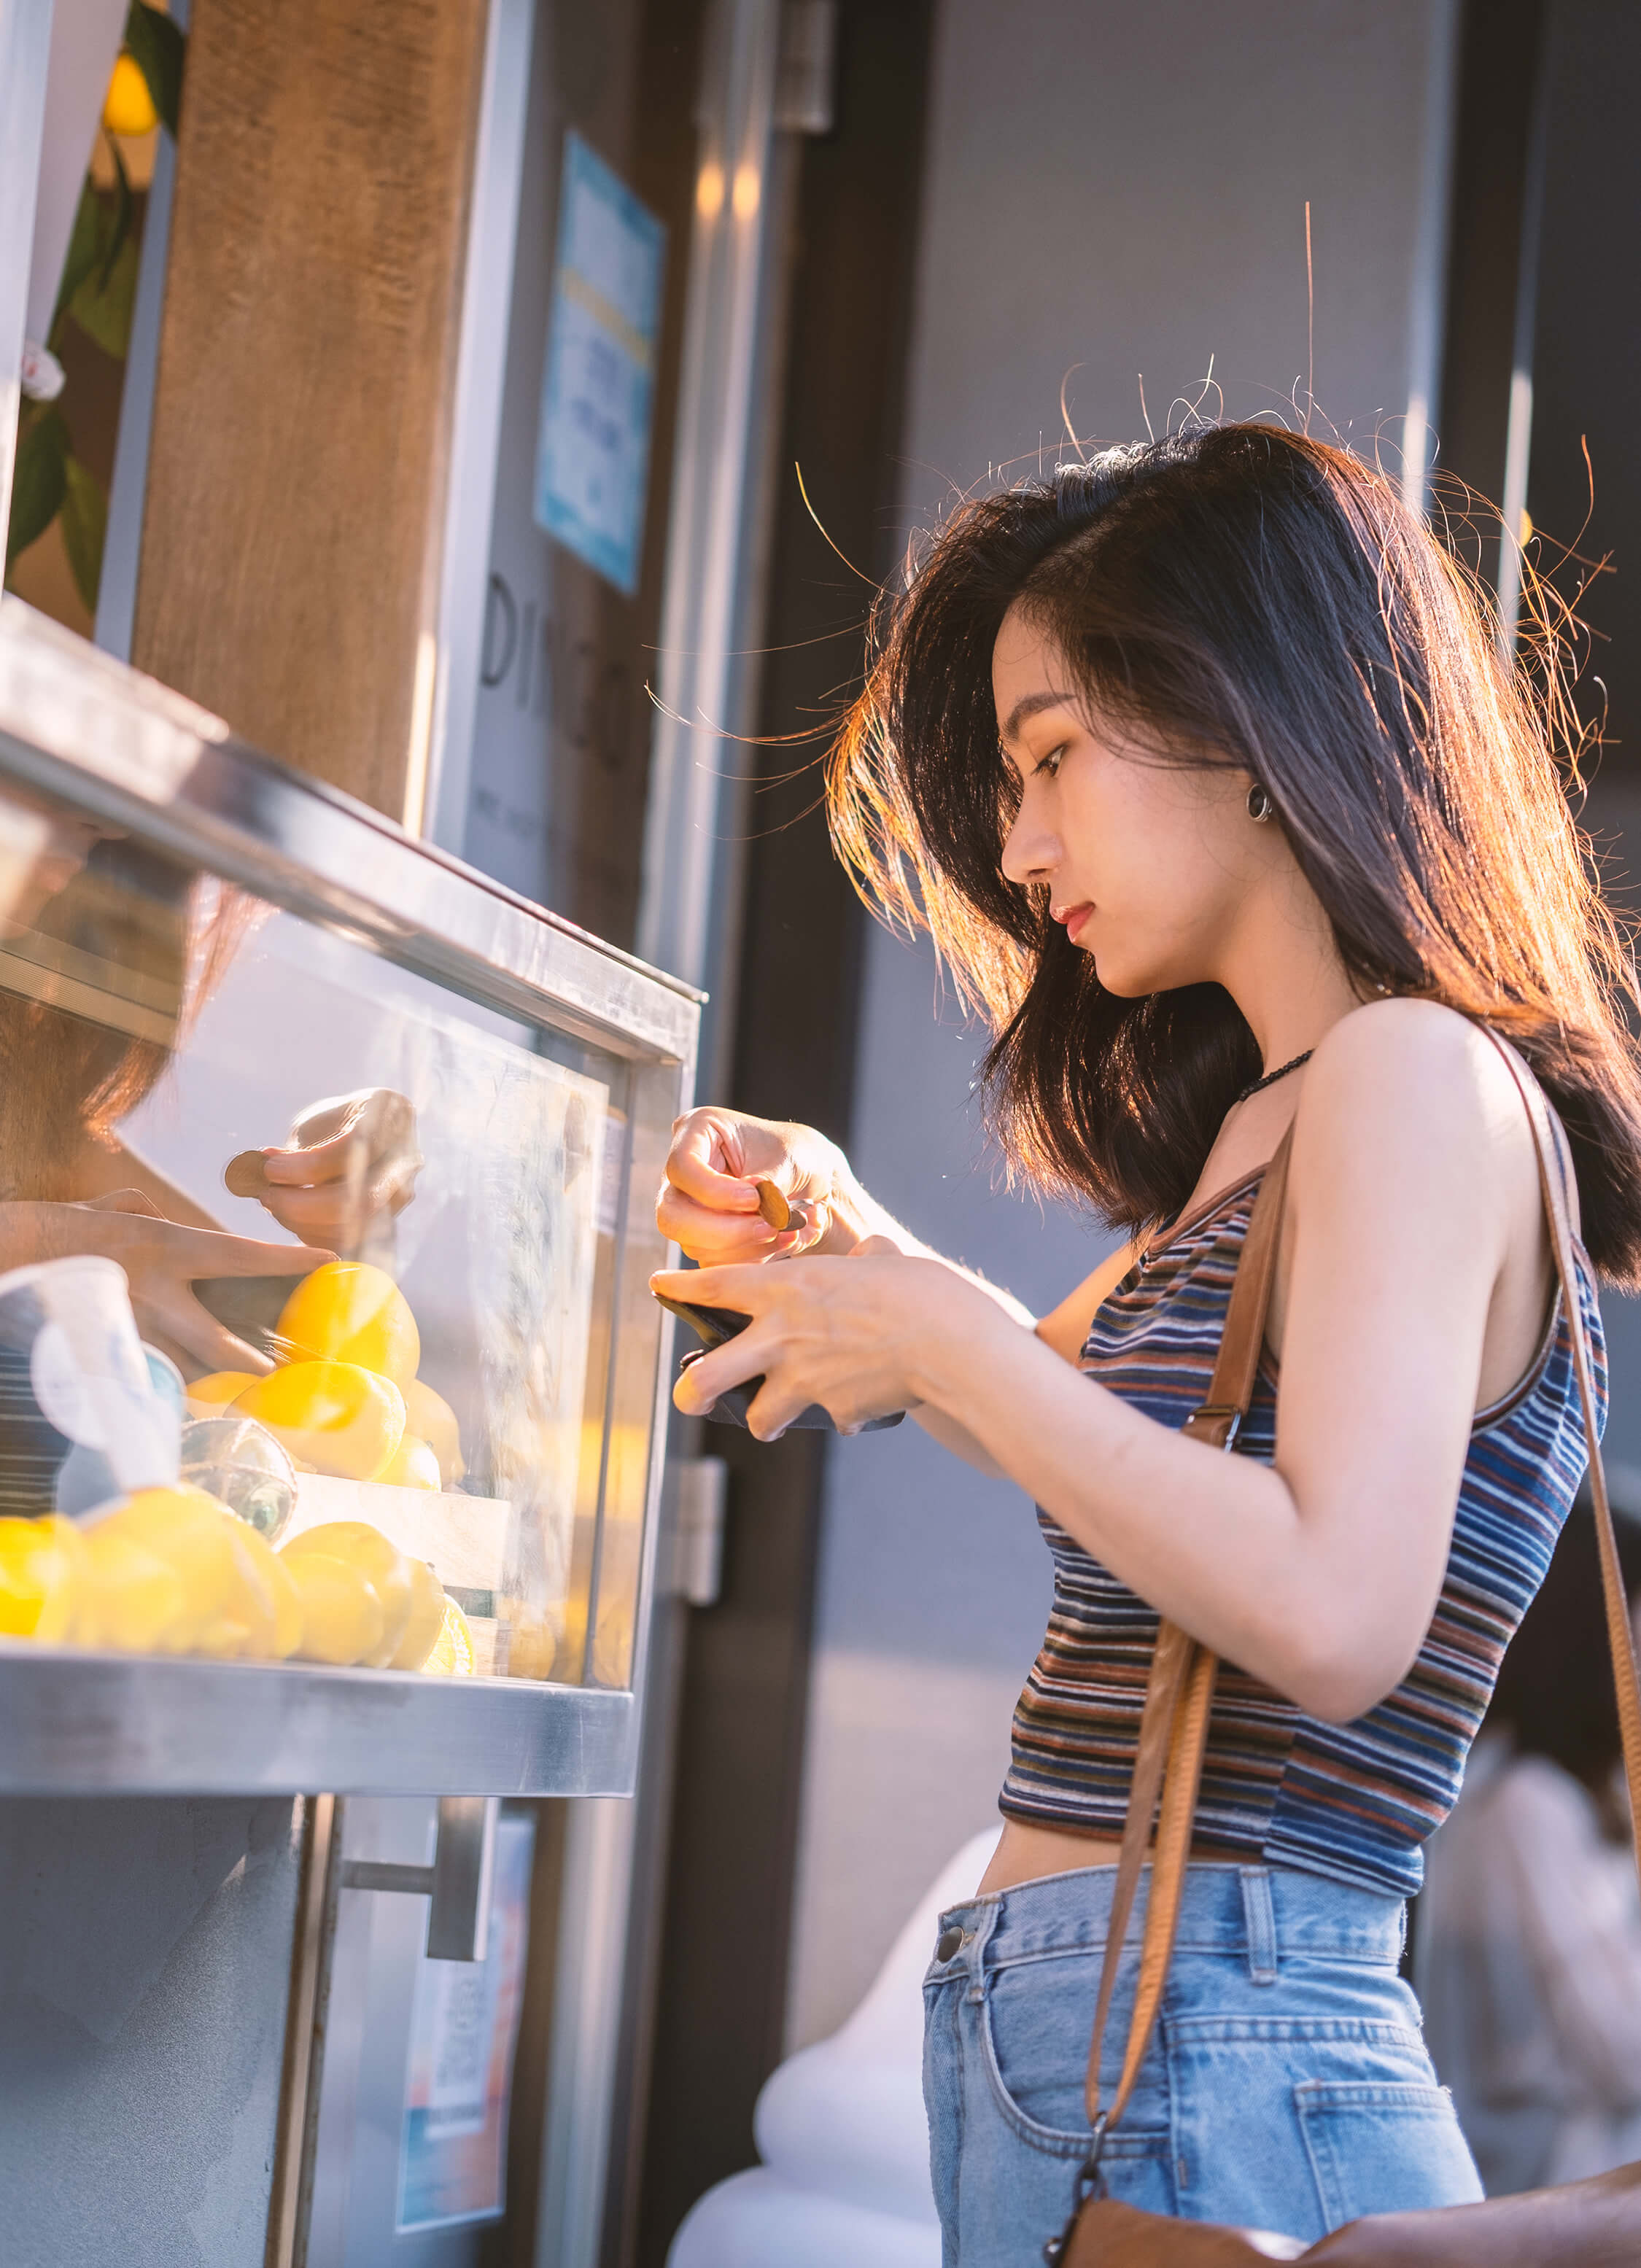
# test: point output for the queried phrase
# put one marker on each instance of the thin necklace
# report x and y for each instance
(1271, 1077)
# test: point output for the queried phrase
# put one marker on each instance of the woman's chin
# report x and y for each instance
(1127, 977)
(1122, 981)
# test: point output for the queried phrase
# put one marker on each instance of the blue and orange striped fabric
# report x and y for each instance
(1357, 1802)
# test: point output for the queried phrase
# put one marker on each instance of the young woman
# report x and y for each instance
(1200, 766)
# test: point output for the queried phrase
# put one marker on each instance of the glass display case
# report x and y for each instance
(329, 1375)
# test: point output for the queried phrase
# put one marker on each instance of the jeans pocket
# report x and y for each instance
(1384, 2146)
(1031, 2042)
(1036, 2019)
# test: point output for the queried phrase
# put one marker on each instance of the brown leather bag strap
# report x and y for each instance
(1179, 1693)
(1620, 1633)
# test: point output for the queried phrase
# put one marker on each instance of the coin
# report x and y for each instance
(243, 1175)
(773, 1206)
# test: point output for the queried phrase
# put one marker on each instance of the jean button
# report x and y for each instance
(951, 1943)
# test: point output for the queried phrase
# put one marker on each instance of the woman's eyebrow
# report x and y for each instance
(1029, 704)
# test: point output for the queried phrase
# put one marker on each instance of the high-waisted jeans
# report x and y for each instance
(1287, 2087)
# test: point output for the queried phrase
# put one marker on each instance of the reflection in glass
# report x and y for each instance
(371, 1225)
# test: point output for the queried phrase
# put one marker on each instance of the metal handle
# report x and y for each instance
(458, 1883)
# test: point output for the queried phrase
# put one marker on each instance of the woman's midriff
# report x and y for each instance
(1026, 1854)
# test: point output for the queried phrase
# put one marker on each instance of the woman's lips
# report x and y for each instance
(1074, 917)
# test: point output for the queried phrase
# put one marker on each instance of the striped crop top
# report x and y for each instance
(1355, 1802)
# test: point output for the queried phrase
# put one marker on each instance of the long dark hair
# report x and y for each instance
(1240, 595)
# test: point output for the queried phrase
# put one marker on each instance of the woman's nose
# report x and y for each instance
(1030, 851)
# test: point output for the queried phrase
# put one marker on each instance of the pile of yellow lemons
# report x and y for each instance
(345, 1398)
(172, 1570)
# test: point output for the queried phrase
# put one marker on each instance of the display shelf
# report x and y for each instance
(112, 1724)
(545, 1070)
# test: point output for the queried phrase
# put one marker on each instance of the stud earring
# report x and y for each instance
(1259, 806)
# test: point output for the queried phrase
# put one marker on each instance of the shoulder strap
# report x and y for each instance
(1620, 1632)
(1174, 1729)
(1179, 1692)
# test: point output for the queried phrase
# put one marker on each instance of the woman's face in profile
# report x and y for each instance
(1148, 863)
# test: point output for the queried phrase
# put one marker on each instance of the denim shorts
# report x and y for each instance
(1286, 2085)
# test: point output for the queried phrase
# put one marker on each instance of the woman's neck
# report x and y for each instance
(1285, 973)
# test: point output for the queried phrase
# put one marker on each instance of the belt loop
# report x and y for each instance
(987, 1912)
(1259, 1920)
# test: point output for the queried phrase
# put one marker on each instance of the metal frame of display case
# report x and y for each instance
(86, 729)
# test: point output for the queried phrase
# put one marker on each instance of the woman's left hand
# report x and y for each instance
(846, 1333)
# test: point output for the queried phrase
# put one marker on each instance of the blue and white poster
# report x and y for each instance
(464, 2027)
(597, 395)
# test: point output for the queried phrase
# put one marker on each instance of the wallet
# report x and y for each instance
(717, 1324)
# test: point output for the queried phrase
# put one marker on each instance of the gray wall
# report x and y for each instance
(1110, 191)
(144, 1958)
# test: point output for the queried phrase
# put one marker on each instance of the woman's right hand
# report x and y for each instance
(708, 1202)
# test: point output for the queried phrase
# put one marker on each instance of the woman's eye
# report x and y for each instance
(1050, 763)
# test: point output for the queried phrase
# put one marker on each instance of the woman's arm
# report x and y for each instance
(709, 1206)
(1065, 1330)
(1413, 1246)
(708, 1202)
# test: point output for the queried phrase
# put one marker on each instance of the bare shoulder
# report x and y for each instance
(1392, 1057)
(1409, 1092)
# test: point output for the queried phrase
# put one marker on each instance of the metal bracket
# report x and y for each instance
(458, 1883)
(806, 86)
(697, 1537)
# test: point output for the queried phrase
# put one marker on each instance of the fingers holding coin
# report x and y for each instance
(804, 1224)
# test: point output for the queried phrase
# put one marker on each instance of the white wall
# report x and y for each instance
(1120, 188)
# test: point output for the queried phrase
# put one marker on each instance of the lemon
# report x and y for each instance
(209, 1397)
(348, 1311)
(412, 1465)
(342, 1615)
(533, 1649)
(431, 1419)
(128, 106)
(426, 1618)
(282, 1588)
(452, 1648)
(337, 1416)
(131, 1599)
(382, 1563)
(227, 1610)
(41, 1562)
